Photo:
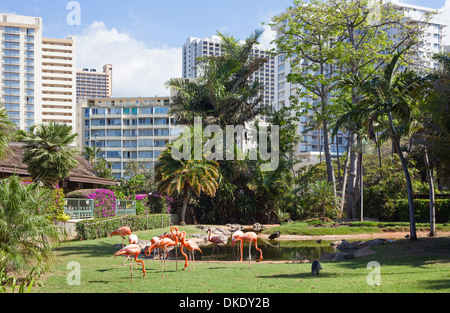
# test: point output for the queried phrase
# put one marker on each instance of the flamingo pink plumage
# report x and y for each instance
(215, 240)
(191, 247)
(250, 238)
(122, 231)
(132, 251)
(164, 243)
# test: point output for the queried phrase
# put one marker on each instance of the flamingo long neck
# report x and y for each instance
(260, 251)
(209, 234)
(175, 235)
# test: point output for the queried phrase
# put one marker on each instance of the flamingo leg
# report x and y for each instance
(242, 249)
(250, 255)
(131, 271)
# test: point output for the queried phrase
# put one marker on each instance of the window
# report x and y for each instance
(160, 143)
(146, 155)
(130, 155)
(145, 121)
(98, 133)
(145, 110)
(162, 110)
(130, 144)
(146, 143)
(161, 132)
(114, 133)
(114, 144)
(281, 67)
(114, 122)
(130, 122)
(145, 132)
(113, 154)
(130, 133)
(97, 123)
(161, 121)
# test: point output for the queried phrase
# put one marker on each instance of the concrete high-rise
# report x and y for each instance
(38, 74)
(126, 129)
(93, 84)
(195, 48)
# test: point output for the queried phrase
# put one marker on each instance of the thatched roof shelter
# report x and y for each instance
(82, 177)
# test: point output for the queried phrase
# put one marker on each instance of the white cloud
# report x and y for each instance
(138, 70)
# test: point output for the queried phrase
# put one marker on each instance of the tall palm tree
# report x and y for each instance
(6, 132)
(24, 233)
(390, 99)
(184, 176)
(90, 153)
(223, 94)
(48, 152)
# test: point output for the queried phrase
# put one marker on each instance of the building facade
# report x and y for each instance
(93, 84)
(195, 48)
(38, 74)
(126, 129)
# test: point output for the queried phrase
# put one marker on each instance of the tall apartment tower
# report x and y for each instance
(58, 81)
(195, 48)
(126, 129)
(93, 84)
(38, 74)
(20, 86)
(311, 146)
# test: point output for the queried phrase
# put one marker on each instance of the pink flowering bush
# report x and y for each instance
(104, 202)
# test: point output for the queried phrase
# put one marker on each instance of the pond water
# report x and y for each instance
(272, 251)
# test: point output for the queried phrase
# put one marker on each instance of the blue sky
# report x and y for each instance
(143, 38)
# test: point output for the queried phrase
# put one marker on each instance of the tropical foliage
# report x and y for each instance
(49, 153)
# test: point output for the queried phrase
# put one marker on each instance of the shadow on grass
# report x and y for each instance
(436, 285)
(94, 249)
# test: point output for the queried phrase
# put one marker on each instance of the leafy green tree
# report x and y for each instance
(322, 193)
(184, 176)
(391, 99)
(90, 153)
(25, 234)
(329, 39)
(49, 153)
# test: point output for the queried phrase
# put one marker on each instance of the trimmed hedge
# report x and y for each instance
(422, 208)
(101, 228)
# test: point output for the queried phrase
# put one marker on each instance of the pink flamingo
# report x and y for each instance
(132, 251)
(250, 238)
(164, 243)
(215, 240)
(172, 237)
(133, 240)
(233, 238)
(191, 247)
(123, 231)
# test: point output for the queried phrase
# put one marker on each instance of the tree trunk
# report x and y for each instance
(361, 187)
(412, 217)
(352, 179)
(185, 202)
(432, 200)
(344, 181)
(328, 158)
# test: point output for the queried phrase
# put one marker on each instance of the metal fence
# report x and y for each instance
(125, 207)
(79, 208)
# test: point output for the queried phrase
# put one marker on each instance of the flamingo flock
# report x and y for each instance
(164, 242)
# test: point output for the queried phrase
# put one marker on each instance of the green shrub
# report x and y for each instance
(101, 228)
(422, 208)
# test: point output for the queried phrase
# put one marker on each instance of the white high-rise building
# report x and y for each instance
(195, 48)
(38, 74)
(311, 147)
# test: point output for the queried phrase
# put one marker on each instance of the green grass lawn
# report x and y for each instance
(403, 269)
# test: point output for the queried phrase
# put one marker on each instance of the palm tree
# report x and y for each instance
(323, 193)
(223, 94)
(390, 99)
(6, 132)
(90, 153)
(48, 152)
(25, 233)
(183, 176)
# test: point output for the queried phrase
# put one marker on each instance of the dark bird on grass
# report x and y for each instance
(316, 268)
(319, 241)
(407, 236)
(275, 235)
